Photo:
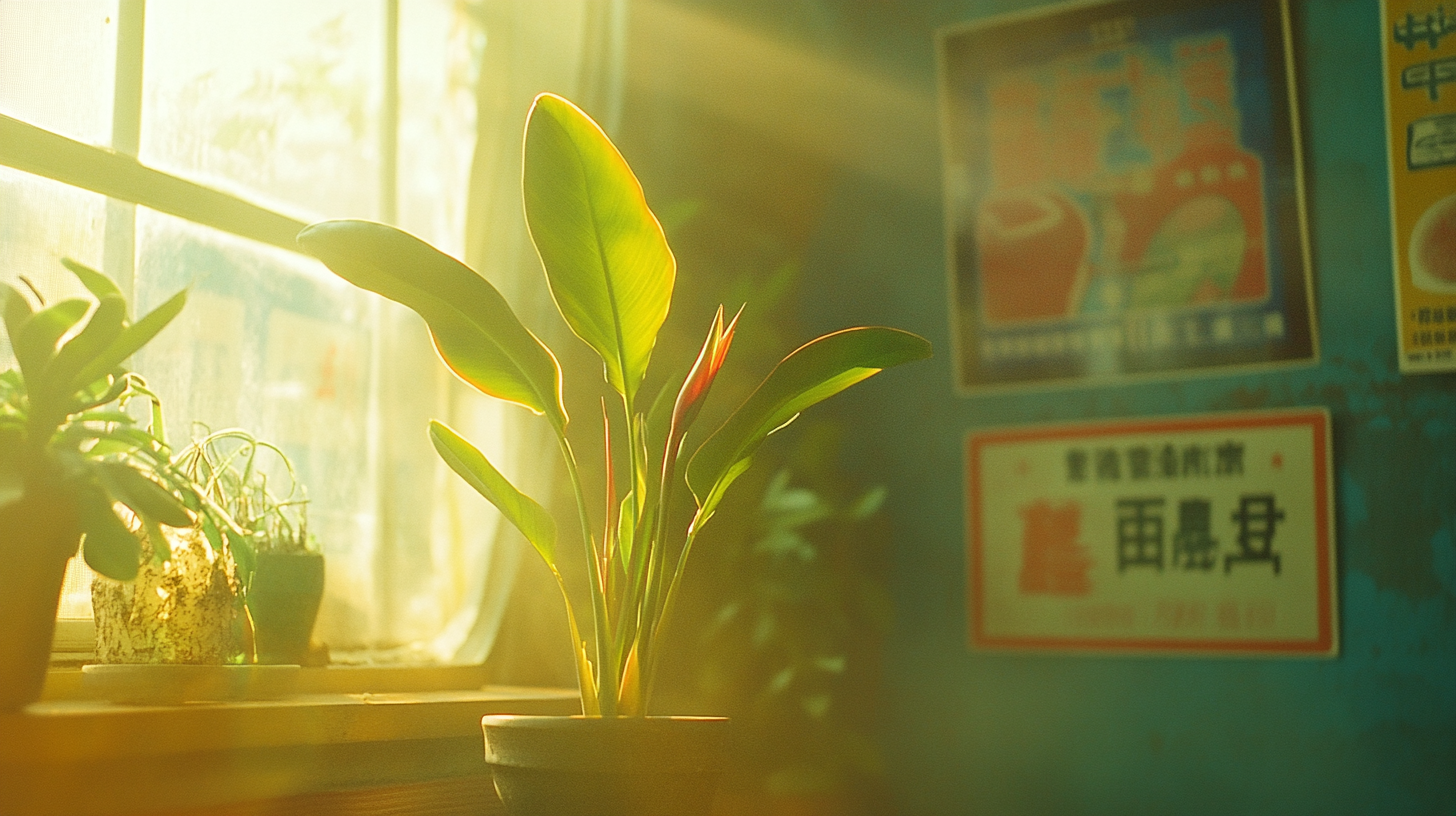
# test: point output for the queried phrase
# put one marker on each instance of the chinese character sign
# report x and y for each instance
(1122, 192)
(1192, 534)
(1419, 42)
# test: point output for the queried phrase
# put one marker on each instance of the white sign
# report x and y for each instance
(1203, 534)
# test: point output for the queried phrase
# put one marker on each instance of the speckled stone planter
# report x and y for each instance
(187, 610)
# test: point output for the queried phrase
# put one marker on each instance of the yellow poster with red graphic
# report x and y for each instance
(1419, 43)
(1198, 535)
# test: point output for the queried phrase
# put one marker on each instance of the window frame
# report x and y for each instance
(117, 173)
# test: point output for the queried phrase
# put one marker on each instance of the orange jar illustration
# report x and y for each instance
(1032, 249)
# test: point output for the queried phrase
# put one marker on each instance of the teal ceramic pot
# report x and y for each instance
(283, 600)
(589, 766)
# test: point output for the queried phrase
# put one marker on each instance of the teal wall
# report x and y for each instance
(964, 732)
(1373, 731)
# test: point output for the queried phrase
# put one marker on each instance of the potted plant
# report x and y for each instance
(285, 584)
(70, 458)
(611, 274)
(185, 608)
(238, 589)
(251, 599)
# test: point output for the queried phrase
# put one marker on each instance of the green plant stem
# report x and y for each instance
(638, 459)
(650, 669)
(606, 677)
(576, 644)
(647, 652)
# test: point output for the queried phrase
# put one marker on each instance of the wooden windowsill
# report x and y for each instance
(321, 753)
(65, 683)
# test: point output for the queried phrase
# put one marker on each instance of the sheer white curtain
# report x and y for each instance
(570, 47)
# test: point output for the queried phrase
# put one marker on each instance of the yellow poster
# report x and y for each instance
(1419, 43)
(1205, 534)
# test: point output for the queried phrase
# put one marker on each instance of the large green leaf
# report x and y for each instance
(17, 310)
(816, 371)
(145, 497)
(35, 344)
(606, 257)
(95, 282)
(100, 392)
(109, 548)
(102, 330)
(473, 327)
(128, 342)
(519, 509)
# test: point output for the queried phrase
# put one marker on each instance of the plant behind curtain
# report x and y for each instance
(286, 105)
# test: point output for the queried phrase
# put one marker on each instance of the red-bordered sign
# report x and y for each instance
(1200, 534)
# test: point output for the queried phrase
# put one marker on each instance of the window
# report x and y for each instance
(179, 144)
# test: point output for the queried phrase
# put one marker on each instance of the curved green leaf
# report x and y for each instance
(474, 329)
(606, 257)
(128, 342)
(816, 371)
(103, 329)
(35, 345)
(519, 509)
(109, 547)
(95, 282)
(709, 503)
(145, 497)
(244, 555)
(101, 391)
(17, 310)
(114, 417)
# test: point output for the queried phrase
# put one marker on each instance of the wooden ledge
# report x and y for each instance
(85, 757)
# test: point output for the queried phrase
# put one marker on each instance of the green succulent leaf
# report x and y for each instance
(210, 527)
(161, 548)
(128, 342)
(17, 310)
(103, 329)
(474, 329)
(140, 439)
(144, 496)
(519, 509)
(35, 344)
(816, 371)
(244, 554)
(95, 282)
(109, 547)
(100, 392)
(606, 257)
(117, 417)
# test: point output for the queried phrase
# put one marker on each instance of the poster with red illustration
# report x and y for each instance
(1205, 534)
(1419, 43)
(1123, 193)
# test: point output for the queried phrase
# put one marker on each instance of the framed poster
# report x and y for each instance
(1123, 192)
(1197, 535)
(1418, 40)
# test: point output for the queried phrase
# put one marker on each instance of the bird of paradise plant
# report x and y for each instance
(611, 275)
